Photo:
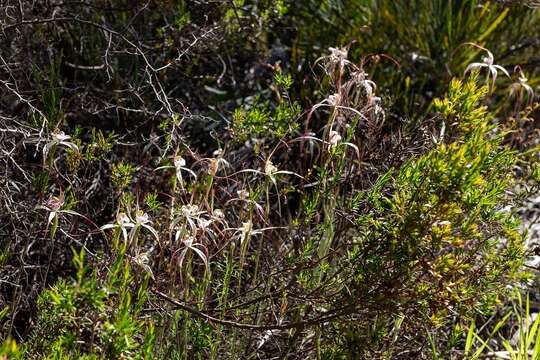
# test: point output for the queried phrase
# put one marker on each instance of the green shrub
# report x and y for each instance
(435, 244)
(260, 120)
(93, 318)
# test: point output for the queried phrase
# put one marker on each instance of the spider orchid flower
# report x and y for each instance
(190, 215)
(143, 261)
(488, 62)
(521, 87)
(190, 245)
(337, 57)
(130, 227)
(218, 216)
(214, 164)
(217, 161)
(243, 195)
(271, 171)
(246, 231)
(198, 222)
(58, 138)
(360, 78)
(333, 100)
(54, 206)
(334, 138)
(179, 164)
(336, 60)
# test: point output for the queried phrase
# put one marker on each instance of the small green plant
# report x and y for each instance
(100, 145)
(122, 175)
(260, 120)
(151, 200)
(100, 312)
(40, 181)
(50, 90)
(285, 81)
(515, 336)
(9, 350)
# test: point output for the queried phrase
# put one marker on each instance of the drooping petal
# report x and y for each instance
(108, 226)
(494, 73)
(499, 67)
(201, 255)
(72, 146)
(124, 234)
(60, 136)
(52, 215)
(152, 231)
(474, 66)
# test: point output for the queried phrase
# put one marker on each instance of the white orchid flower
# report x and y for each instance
(58, 138)
(488, 62)
(191, 218)
(246, 231)
(334, 138)
(179, 164)
(242, 194)
(125, 222)
(521, 87)
(337, 53)
(333, 99)
(54, 206)
(143, 261)
(271, 171)
(190, 245)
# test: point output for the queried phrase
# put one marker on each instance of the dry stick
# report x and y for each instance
(291, 325)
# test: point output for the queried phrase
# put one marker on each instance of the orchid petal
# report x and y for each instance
(502, 69)
(52, 215)
(473, 66)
